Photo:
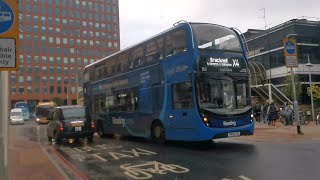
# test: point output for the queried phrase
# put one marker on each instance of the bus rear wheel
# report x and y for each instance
(158, 133)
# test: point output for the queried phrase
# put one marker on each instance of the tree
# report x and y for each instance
(58, 101)
(315, 92)
(287, 89)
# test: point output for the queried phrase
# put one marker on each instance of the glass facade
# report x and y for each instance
(266, 47)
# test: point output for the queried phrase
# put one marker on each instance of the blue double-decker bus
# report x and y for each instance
(189, 83)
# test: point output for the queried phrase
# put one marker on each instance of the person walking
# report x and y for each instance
(289, 114)
(264, 109)
(256, 111)
(272, 113)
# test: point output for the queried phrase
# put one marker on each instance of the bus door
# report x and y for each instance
(182, 115)
(145, 106)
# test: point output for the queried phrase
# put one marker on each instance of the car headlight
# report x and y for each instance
(252, 115)
(38, 119)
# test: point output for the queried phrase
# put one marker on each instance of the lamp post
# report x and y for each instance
(309, 65)
(295, 102)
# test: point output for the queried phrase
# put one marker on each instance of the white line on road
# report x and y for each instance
(243, 177)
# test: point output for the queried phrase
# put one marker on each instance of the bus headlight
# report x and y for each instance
(251, 115)
(205, 119)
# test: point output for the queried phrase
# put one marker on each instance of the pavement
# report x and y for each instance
(28, 159)
(281, 133)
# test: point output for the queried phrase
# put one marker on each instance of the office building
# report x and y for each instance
(266, 47)
(58, 38)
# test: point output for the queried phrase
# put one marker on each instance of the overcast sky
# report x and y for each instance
(141, 19)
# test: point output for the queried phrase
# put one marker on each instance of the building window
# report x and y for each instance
(29, 79)
(13, 90)
(51, 80)
(37, 79)
(44, 69)
(65, 80)
(51, 69)
(51, 89)
(58, 60)
(59, 70)
(13, 79)
(29, 90)
(44, 90)
(21, 90)
(36, 69)
(44, 80)
(36, 29)
(59, 80)
(44, 60)
(29, 69)
(59, 90)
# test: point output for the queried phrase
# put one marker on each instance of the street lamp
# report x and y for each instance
(309, 65)
(295, 102)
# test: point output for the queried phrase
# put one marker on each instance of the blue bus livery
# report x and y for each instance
(25, 109)
(189, 83)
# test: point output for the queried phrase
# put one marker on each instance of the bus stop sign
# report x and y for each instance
(290, 52)
(6, 17)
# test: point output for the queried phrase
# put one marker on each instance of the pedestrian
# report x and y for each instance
(257, 111)
(272, 113)
(288, 111)
(264, 109)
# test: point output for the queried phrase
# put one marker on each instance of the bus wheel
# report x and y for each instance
(158, 133)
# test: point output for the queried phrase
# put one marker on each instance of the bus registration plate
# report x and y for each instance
(77, 128)
(233, 134)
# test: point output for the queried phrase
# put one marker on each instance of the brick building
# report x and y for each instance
(58, 38)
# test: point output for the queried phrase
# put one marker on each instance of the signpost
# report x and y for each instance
(9, 41)
(291, 55)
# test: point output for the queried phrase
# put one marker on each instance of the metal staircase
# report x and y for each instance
(277, 96)
(258, 78)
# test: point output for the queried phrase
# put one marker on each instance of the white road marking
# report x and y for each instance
(99, 157)
(146, 170)
(244, 177)
(117, 156)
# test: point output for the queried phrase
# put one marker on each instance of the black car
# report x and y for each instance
(69, 122)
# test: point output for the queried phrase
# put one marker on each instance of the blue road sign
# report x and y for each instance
(6, 17)
(290, 48)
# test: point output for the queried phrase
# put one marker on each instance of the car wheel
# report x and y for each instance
(158, 133)
(90, 139)
(50, 139)
(57, 140)
(100, 129)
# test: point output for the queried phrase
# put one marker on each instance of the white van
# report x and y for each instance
(16, 116)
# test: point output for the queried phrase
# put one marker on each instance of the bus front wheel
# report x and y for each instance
(158, 133)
